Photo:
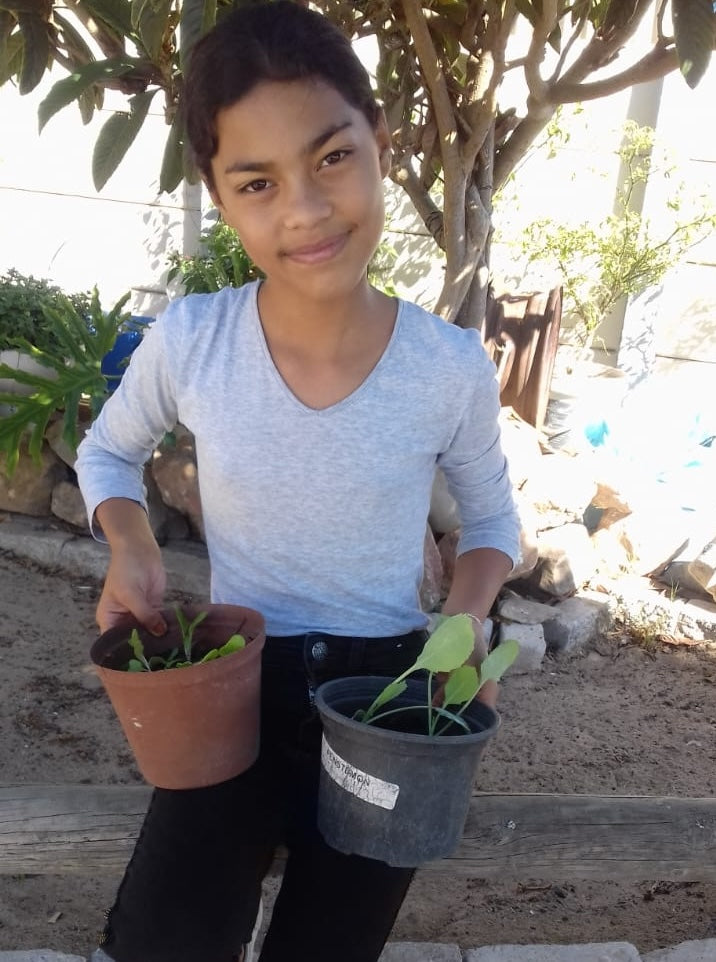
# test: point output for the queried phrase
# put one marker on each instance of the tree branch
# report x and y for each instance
(657, 63)
(430, 214)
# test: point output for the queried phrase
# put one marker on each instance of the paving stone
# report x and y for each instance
(591, 952)
(576, 623)
(530, 638)
(699, 951)
(420, 952)
(39, 955)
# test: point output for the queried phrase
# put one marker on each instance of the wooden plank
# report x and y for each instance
(83, 829)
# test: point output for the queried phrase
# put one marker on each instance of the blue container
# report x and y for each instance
(114, 363)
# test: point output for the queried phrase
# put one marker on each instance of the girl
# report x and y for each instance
(321, 408)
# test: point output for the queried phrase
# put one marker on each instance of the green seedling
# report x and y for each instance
(445, 653)
(179, 657)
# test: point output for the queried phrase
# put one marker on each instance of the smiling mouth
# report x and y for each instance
(317, 253)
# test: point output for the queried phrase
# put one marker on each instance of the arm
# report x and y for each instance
(135, 580)
(110, 473)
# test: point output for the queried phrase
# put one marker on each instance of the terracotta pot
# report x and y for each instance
(188, 727)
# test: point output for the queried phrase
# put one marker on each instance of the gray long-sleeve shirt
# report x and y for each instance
(314, 517)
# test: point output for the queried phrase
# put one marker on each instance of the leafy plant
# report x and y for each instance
(221, 262)
(83, 340)
(445, 652)
(626, 252)
(22, 317)
(180, 657)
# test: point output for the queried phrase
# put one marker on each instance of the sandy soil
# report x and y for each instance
(656, 710)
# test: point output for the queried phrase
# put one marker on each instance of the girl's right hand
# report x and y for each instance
(136, 579)
(134, 585)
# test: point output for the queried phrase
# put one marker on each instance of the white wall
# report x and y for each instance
(54, 224)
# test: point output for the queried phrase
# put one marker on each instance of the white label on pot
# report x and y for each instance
(367, 787)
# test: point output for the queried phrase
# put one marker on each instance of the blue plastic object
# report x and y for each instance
(114, 363)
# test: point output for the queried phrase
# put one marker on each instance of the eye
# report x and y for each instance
(334, 157)
(254, 187)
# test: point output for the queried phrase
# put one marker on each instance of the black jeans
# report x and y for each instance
(192, 888)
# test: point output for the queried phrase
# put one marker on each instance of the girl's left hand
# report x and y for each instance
(489, 691)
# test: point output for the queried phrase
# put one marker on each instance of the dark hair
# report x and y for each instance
(279, 41)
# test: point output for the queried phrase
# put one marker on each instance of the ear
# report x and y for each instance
(382, 137)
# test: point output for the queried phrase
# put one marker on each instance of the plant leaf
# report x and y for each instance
(173, 159)
(694, 27)
(35, 51)
(197, 16)
(117, 136)
(114, 13)
(461, 686)
(150, 18)
(70, 88)
(390, 691)
(498, 661)
(449, 646)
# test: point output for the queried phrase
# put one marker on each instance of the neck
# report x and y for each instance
(321, 326)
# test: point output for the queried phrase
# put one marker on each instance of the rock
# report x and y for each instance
(560, 488)
(520, 442)
(444, 515)
(447, 546)
(29, 490)
(530, 638)
(703, 569)
(524, 611)
(167, 523)
(576, 623)
(175, 472)
(566, 560)
(53, 436)
(529, 551)
(431, 586)
(67, 504)
(652, 537)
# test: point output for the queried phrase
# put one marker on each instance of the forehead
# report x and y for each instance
(285, 117)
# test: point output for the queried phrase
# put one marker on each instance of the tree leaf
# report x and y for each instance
(117, 136)
(70, 88)
(462, 685)
(694, 28)
(449, 646)
(173, 160)
(35, 51)
(197, 16)
(115, 13)
(498, 661)
(150, 18)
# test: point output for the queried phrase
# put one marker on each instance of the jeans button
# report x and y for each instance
(319, 650)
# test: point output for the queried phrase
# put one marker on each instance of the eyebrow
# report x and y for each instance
(241, 166)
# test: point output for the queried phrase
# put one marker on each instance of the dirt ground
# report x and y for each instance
(655, 711)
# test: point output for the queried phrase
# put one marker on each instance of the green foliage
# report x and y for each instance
(221, 262)
(180, 657)
(626, 252)
(22, 318)
(74, 373)
(445, 652)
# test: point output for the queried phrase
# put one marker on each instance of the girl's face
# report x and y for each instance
(299, 175)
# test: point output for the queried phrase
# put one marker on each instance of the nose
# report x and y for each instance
(305, 204)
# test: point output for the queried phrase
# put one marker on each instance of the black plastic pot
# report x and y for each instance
(401, 797)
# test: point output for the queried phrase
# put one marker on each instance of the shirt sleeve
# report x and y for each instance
(476, 469)
(111, 457)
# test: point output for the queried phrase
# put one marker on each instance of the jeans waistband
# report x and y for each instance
(324, 656)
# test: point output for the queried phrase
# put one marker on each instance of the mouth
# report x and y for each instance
(323, 250)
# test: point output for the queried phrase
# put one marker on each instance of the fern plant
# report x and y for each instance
(82, 342)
